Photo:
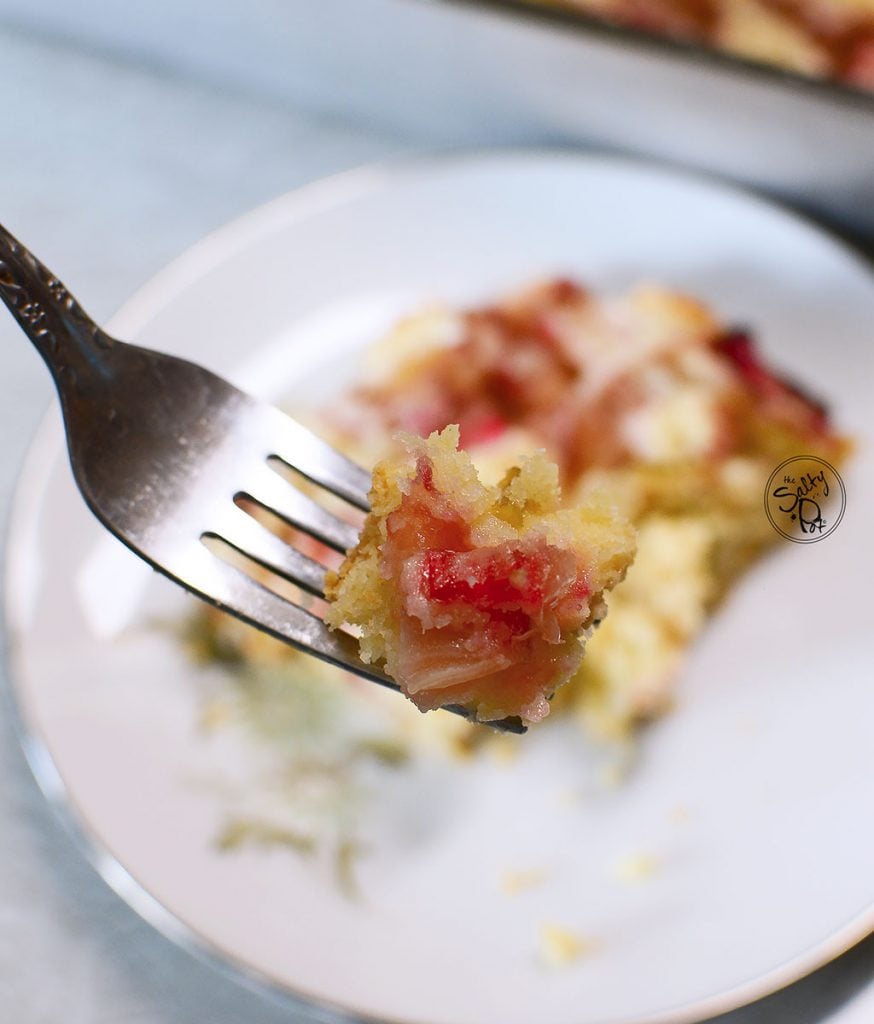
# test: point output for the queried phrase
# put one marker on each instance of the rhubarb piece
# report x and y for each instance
(474, 595)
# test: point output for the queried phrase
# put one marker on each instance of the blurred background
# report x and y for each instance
(131, 131)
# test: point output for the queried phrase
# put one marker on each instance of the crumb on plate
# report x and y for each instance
(561, 947)
(635, 867)
(515, 882)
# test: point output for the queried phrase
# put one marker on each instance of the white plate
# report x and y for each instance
(753, 797)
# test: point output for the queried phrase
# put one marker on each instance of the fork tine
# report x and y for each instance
(231, 589)
(268, 489)
(254, 540)
(307, 453)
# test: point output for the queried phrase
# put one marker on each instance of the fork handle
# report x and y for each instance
(62, 332)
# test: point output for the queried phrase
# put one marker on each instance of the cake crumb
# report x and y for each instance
(616, 769)
(560, 947)
(504, 749)
(514, 882)
(635, 867)
(215, 714)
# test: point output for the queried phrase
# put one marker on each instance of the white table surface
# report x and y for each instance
(109, 171)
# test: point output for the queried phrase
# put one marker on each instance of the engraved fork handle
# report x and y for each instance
(62, 332)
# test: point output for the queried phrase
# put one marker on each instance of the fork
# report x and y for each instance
(168, 456)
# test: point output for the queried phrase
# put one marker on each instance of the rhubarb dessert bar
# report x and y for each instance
(648, 402)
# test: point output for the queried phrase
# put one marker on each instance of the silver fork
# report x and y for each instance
(165, 453)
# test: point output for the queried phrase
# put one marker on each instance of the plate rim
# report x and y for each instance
(47, 444)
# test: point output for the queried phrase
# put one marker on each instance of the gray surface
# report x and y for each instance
(110, 171)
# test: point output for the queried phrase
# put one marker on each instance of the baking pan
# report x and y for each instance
(465, 72)
(810, 140)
